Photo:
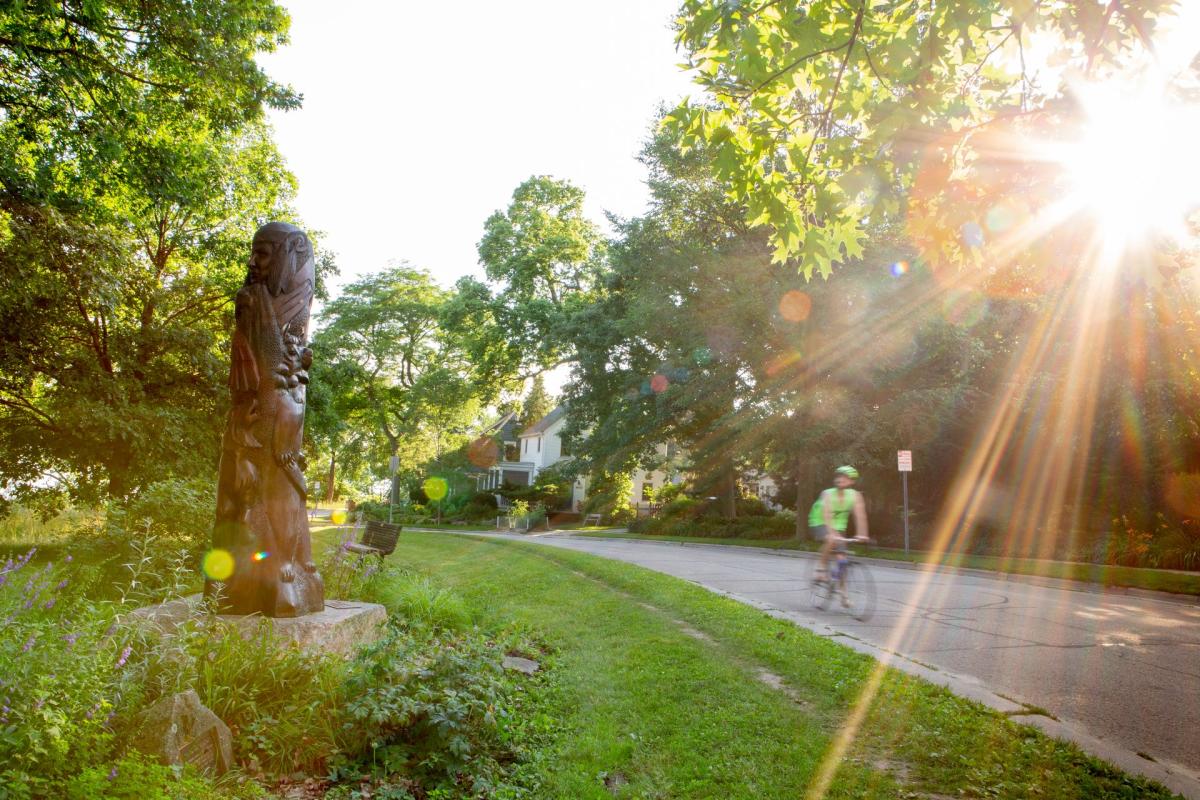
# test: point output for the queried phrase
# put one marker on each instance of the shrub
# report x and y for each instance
(71, 678)
(1178, 548)
(752, 507)
(1128, 545)
(482, 505)
(138, 777)
(681, 507)
(609, 496)
(776, 526)
(432, 706)
(179, 513)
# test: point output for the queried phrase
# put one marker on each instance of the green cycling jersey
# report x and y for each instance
(841, 503)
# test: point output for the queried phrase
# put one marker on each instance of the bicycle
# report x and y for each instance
(848, 579)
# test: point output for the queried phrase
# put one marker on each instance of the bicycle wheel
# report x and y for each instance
(860, 591)
(820, 592)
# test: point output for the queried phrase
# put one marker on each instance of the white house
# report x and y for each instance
(527, 453)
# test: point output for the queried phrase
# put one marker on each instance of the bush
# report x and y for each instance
(1128, 545)
(178, 513)
(609, 496)
(1178, 548)
(430, 700)
(432, 706)
(482, 505)
(138, 777)
(752, 507)
(73, 679)
(776, 526)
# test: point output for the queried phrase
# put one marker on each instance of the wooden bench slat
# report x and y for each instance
(379, 538)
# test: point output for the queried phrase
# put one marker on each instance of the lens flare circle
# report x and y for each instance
(217, 564)
(436, 488)
(795, 305)
(338, 517)
(261, 555)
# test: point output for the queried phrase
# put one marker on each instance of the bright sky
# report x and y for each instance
(420, 119)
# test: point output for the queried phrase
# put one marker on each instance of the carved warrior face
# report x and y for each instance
(280, 252)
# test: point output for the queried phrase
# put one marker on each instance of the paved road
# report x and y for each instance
(1120, 668)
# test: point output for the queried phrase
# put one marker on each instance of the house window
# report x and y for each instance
(564, 449)
(512, 451)
(526, 445)
(539, 444)
(647, 492)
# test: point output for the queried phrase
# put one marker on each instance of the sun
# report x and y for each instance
(1134, 167)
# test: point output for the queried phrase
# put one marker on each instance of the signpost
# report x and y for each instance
(904, 464)
(393, 465)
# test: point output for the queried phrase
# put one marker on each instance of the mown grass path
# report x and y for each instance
(662, 689)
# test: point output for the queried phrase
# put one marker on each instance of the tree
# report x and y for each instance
(821, 114)
(543, 258)
(133, 168)
(410, 383)
(700, 340)
(542, 247)
(537, 403)
(79, 66)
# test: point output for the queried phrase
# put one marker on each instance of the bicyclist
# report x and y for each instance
(833, 508)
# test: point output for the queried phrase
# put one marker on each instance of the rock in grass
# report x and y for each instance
(179, 729)
(525, 665)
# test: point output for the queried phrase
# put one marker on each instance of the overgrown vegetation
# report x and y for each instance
(425, 711)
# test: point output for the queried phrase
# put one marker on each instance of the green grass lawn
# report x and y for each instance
(1135, 577)
(657, 688)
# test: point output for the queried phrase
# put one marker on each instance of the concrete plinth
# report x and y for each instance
(340, 628)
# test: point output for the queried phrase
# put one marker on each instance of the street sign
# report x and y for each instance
(904, 464)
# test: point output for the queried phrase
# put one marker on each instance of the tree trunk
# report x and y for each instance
(800, 514)
(330, 477)
(729, 491)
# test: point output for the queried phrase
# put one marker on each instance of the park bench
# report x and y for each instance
(591, 519)
(378, 539)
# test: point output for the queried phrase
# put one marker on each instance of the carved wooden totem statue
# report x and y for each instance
(261, 516)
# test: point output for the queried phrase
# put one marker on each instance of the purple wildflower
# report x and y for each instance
(68, 559)
(112, 774)
(61, 585)
(49, 604)
(28, 644)
(70, 638)
(124, 656)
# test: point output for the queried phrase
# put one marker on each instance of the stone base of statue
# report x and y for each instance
(341, 627)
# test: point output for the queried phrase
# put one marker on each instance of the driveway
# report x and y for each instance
(1121, 673)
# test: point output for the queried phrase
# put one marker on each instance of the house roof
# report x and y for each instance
(505, 428)
(545, 422)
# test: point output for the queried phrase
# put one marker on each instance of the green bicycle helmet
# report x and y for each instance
(849, 472)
